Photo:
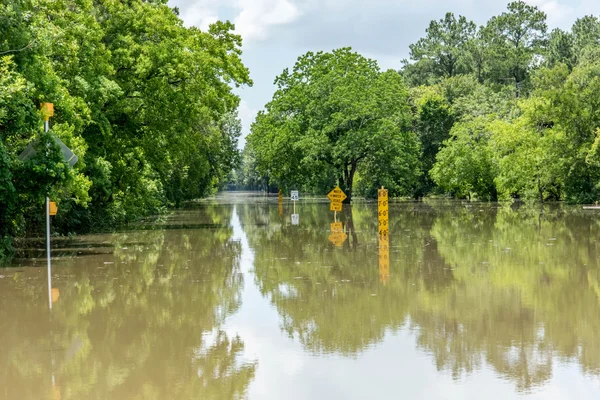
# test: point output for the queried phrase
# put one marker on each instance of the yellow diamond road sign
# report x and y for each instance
(337, 195)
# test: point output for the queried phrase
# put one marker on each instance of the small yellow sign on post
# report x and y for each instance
(338, 236)
(53, 208)
(47, 110)
(335, 206)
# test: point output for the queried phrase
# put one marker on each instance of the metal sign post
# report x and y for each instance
(295, 197)
(47, 110)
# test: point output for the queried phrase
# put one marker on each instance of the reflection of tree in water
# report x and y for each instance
(522, 294)
(136, 328)
(479, 285)
(323, 293)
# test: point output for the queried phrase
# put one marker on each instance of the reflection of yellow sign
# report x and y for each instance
(338, 236)
(383, 212)
(335, 206)
(55, 294)
(53, 208)
(56, 392)
(384, 259)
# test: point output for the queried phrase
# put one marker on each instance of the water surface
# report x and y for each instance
(229, 300)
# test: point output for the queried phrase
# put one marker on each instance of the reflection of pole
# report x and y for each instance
(48, 252)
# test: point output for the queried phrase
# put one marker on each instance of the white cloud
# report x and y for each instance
(247, 114)
(200, 13)
(257, 16)
(558, 14)
(253, 18)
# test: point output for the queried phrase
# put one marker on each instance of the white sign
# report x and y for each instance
(295, 196)
(295, 219)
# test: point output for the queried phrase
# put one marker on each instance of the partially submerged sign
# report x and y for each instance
(335, 206)
(68, 155)
(336, 196)
(295, 219)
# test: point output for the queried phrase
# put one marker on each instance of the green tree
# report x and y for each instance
(561, 49)
(432, 123)
(146, 104)
(517, 39)
(586, 34)
(527, 155)
(443, 50)
(465, 165)
(332, 115)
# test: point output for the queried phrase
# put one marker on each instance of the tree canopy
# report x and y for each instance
(144, 102)
(333, 116)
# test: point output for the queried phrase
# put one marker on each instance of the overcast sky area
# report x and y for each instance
(277, 32)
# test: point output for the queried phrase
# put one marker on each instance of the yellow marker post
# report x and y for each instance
(383, 211)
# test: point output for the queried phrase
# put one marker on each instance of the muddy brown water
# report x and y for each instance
(229, 300)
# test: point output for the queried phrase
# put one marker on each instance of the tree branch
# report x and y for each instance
(18, 50)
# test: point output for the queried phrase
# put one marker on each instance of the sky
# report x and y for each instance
(276, 32)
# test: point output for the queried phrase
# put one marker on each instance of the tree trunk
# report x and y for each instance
(348, 181)
(353, 239)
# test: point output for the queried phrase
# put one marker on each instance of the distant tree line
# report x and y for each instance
(145, 103)
(502, 111)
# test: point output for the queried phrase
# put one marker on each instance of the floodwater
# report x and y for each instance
(229, 300)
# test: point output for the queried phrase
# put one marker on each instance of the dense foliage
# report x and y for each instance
(333, 116)
(145, 103)
(503, 111)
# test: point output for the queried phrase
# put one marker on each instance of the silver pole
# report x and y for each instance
(48, 255)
